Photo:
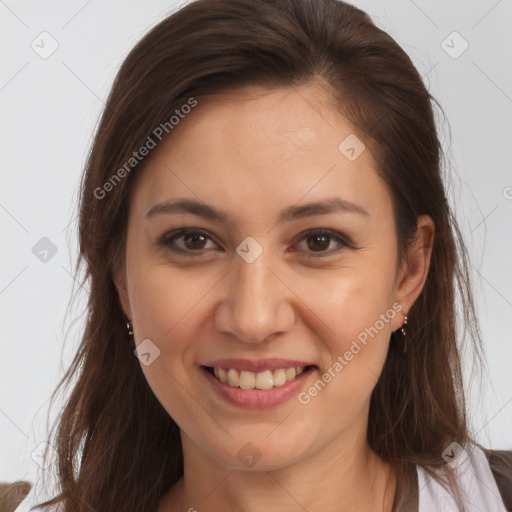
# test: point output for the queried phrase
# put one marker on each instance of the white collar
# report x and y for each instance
(478, 485)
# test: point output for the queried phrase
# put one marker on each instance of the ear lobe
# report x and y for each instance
(416, 267)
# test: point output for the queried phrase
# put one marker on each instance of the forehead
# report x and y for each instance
(253, 148)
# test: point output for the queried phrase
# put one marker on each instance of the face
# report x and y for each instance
(261, 282)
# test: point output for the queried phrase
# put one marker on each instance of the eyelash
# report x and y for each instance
(168, 239)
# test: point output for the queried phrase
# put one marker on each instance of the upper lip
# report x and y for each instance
(256, 365)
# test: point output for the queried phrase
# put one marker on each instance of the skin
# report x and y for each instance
(253, 152)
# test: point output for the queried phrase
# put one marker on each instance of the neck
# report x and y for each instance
(354, 478)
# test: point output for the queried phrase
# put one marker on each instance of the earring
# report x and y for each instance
(129, 326)
(402, 330)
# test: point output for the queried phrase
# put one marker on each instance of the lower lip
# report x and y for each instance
(257, 398)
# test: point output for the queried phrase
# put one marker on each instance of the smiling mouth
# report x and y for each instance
(266, 379)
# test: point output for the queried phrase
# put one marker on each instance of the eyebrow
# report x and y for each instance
(183, 205)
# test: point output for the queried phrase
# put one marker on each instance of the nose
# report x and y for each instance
(256, 303)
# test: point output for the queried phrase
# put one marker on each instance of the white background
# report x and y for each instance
(49, 108)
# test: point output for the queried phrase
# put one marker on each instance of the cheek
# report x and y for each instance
(166, 310)
(165, 305)
(164, 299)
(354, 311)
(350, 302)
(358, 311)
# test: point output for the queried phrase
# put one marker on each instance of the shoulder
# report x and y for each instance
(500, 462)
(20, 496)
(12, 494)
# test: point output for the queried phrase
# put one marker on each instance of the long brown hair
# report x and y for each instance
(118, 449)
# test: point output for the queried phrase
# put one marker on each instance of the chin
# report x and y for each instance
(258, 454)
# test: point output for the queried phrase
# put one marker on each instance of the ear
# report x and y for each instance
(120, 282)
(414, 271)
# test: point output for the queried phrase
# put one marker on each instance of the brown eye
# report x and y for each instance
(313, 243)
(318, 242)
(194, 241)
(323, 243)
(188, 241)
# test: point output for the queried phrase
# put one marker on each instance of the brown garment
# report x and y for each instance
(12, 494)
(500, 462)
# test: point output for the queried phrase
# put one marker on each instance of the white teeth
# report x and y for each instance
(279, 377)
(266, 379)
(291, 373)
(247, 380)
(223, 376)
(233, 379)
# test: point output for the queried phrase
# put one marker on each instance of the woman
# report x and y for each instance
(264, 226)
